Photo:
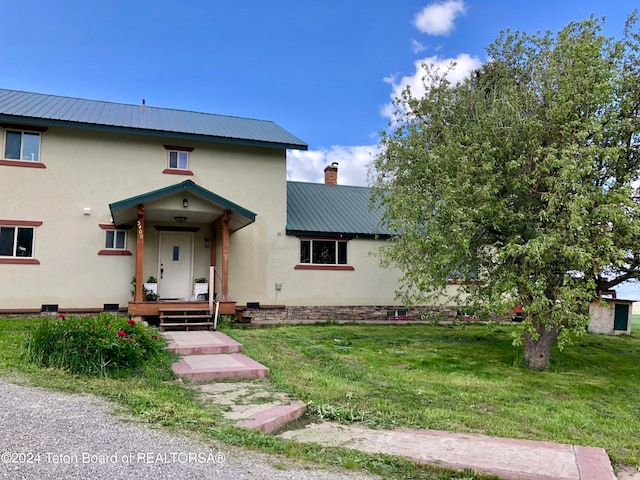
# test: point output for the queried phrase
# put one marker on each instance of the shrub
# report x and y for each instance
(104, 345)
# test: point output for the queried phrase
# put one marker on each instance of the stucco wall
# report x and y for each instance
(91, 169)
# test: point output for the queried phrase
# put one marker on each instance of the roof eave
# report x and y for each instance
(150, 132)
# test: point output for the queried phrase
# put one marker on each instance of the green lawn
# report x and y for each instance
(465, 379)
(152, 398)
(635, 322)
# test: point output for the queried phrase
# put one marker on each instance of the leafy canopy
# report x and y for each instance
(523, 174)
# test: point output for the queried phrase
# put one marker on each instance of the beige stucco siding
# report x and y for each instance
(91, 170)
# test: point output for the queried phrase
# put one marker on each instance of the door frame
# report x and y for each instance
(190, 237)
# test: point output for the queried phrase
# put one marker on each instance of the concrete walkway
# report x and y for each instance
(506, 458)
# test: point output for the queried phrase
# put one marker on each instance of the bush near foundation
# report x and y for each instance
(105, 345)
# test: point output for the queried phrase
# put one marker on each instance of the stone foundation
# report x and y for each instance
(344, 314)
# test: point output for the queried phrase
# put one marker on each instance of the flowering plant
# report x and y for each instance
(105, 345)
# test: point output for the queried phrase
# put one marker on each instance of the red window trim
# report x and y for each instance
(19, 261)
(19, 223)
(178, 148)
(22, 163)
(177, 171)
(115, 252)
(314, 266)
(111, 226)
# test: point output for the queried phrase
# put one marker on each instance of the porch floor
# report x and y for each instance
(152, 309)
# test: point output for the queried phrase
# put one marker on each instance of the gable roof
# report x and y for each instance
(47, 110)
(332, 210)
(125, 211)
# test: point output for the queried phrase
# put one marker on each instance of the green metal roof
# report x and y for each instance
(332, 210)
(125, 211)
(53, 110)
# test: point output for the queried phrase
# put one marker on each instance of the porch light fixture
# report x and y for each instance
(180, 219)
(185, 203)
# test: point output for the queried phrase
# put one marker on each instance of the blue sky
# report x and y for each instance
(324, 70)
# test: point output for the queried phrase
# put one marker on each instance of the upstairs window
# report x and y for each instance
(22, 145)
(323, 252)
(178, 160)
(16, 241)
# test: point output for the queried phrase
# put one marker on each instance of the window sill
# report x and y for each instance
(304, 266)
(22, 163)
(19, 261)
(177, 171)
(115, 253)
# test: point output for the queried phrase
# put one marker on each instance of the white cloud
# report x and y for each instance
(437, 18)
(417, 47)
(464, 64)
(353, 164)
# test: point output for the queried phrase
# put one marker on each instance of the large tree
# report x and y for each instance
(520, 181)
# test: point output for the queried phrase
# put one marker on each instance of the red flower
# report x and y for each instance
(121, 333)
(61, 317)
(131, 322)
(154, 337)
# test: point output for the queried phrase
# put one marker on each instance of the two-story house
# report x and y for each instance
(95, 194)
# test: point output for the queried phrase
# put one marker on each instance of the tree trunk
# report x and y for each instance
(537, 352)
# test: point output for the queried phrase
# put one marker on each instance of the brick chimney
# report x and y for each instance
(331, 174)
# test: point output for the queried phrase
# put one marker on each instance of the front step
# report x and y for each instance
(204, 368)
(252, 404)
(185, 318)
(200, 343)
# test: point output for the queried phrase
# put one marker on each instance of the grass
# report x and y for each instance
(459, 378)
(152, 398)
(635, 322)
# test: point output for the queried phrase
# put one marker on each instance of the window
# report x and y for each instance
(16, 241)
(178, 160)
(22, 145)
(323, 252)
(116, 239)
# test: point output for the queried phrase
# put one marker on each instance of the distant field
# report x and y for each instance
(635, 322)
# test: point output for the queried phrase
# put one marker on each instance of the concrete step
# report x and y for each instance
(269, 418)
(205, 368)
(252, 404)
(200, 343)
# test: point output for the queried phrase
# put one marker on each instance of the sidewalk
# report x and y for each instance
(507, 458)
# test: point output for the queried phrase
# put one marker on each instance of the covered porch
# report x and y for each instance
(182, 236)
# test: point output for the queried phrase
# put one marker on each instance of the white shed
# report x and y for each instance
(610, 316)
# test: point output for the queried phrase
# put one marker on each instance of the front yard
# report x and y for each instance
(459, 378)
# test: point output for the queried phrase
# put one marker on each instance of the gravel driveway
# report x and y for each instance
(51, 435)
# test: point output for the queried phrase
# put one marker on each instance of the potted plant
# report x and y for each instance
(200, 286)
(151, 288)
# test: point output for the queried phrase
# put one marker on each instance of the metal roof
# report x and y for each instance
(125, 211)
(25, 107)
(332, 210)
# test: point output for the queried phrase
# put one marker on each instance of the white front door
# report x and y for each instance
(176, 265)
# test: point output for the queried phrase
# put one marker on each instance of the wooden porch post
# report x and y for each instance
(139, 295)
(214, 249)
(225, 256)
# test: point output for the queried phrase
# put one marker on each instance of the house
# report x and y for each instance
(95, 194)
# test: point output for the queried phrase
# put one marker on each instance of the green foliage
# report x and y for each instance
(105, 345)
(521, 175)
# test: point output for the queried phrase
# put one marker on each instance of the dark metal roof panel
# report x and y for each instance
(319, 208)
(143, 117)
